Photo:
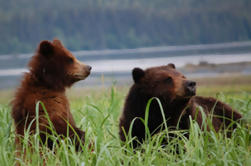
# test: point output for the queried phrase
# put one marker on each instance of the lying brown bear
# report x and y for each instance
(177, 96)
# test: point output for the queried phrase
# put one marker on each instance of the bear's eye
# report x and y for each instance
(70, 60)
(168, 80)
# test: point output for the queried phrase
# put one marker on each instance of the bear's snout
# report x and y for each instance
(81, 71)
(190, 88)
(89, 68)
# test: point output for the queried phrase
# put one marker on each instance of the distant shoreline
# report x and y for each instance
(193, 71)
(126, 65)
(110, 66)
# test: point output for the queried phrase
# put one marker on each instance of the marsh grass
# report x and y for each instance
(98, 114)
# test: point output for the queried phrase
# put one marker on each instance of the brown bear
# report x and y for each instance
(51, 70)
(178, 100)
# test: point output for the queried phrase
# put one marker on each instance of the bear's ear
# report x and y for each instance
(171, 65)
(57, 42)
(137, 74)
(46, 48)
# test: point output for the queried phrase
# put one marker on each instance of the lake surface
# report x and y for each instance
(116, 65)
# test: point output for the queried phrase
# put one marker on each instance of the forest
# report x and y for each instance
(116, 24)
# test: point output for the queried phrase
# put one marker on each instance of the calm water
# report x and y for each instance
(117, 64)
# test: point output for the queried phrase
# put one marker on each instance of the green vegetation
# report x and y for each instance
(100, 24)
(231, 85)
(97, 111)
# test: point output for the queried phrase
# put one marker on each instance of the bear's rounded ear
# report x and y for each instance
(46, 48)
(137, 74)
(57, 42)
(171, 65)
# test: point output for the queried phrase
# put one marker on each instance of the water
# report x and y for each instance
(117, 64)
(126, 65)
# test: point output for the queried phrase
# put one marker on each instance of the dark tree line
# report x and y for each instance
(101, 24)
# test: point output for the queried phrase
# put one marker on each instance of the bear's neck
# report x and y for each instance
(31, 81)
(139, 102)
(176, 106)
(170, 107)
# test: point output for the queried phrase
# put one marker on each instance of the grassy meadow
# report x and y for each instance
(97, 111)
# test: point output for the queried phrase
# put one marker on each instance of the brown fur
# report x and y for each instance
(52, 69)
(176, 95)
(222, 114)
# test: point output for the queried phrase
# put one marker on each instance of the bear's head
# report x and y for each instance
(163, 81)
(55, 67)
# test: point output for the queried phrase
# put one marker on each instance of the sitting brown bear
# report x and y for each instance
(177, 96)
(52, 69)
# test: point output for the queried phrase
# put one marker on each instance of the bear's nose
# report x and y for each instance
(190, 88)
(191, 84)
(88, 68)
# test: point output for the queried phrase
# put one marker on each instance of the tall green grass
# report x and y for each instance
(98, 114)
